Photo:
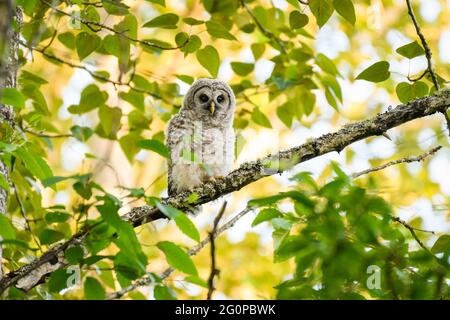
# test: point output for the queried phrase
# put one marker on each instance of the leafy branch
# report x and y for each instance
(248, 173)
(147, 280)
(92, 24)
(428, 54)
(94, 74)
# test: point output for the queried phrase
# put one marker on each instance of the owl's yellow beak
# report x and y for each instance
(212, 107)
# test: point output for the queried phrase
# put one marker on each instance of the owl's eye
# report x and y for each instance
(220, 98)
(204, 97)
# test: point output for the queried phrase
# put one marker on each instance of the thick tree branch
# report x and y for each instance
(9, 38)
(254, 171)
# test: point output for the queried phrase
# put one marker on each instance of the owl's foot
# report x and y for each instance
(215, 179)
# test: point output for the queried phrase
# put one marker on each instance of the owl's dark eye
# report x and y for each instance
(220, 98)
(204, 97)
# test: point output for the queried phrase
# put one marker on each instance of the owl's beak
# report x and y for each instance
(212, 107)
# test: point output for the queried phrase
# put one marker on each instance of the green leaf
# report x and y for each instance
(258, 50)
(57, 217)
(165, 21)
(58, 280)
(377, 72)
(134, 98)
(81, 133)
(160, 2)
(442, 244)
(181, 39)
(30, 78)
(130, 249)
(193, 45)
(177, 257)
(265, 215)
(219, 31)
(154, 145)
(209, 59)
(49, 236)
(12, 97)
(260, 118)
(33, 162)
(296, 195)
(128, 145)
(196, 280)
(74, 254)
(93, 290)
(346, 9)
(68, 39)
(182, 221)
(285, 115)
(6, 228)
(297, 19)
(162, 292)
(411, 50)
(87, 43)
(128, 26)
(115, 7)
(407, 92)
(192, 21)
(3, 183)
(110, 119)
(91, 98)
(326, 64)
(322, 10)
(241, 68)
(185, 78)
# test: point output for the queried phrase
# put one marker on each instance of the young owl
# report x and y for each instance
(200, 138)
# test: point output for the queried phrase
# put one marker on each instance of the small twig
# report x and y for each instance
(413, 233)
(24, 215)
(147, 280)
(261, 28)
(394, 162)
(90, 25)
(214, 270)
(424, 44)
(419, 77)
(93, 73)
(45, 135)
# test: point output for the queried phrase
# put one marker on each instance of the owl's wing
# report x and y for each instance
(173, 138)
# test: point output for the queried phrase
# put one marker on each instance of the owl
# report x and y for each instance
(200, 138)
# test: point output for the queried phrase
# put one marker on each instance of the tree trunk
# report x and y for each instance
(10, 22)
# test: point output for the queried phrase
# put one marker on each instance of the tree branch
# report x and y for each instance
(428, 54)
(9, 38)
(254, 171)
(214, 270)
(94, 74)
(90, 25)
(394, 162)
(146, 280)
(424, 44)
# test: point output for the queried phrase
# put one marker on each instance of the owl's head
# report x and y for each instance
(210, 100)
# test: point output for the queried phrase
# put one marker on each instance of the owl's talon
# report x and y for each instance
(216, 178)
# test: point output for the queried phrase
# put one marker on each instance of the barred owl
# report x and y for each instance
(200, 138)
